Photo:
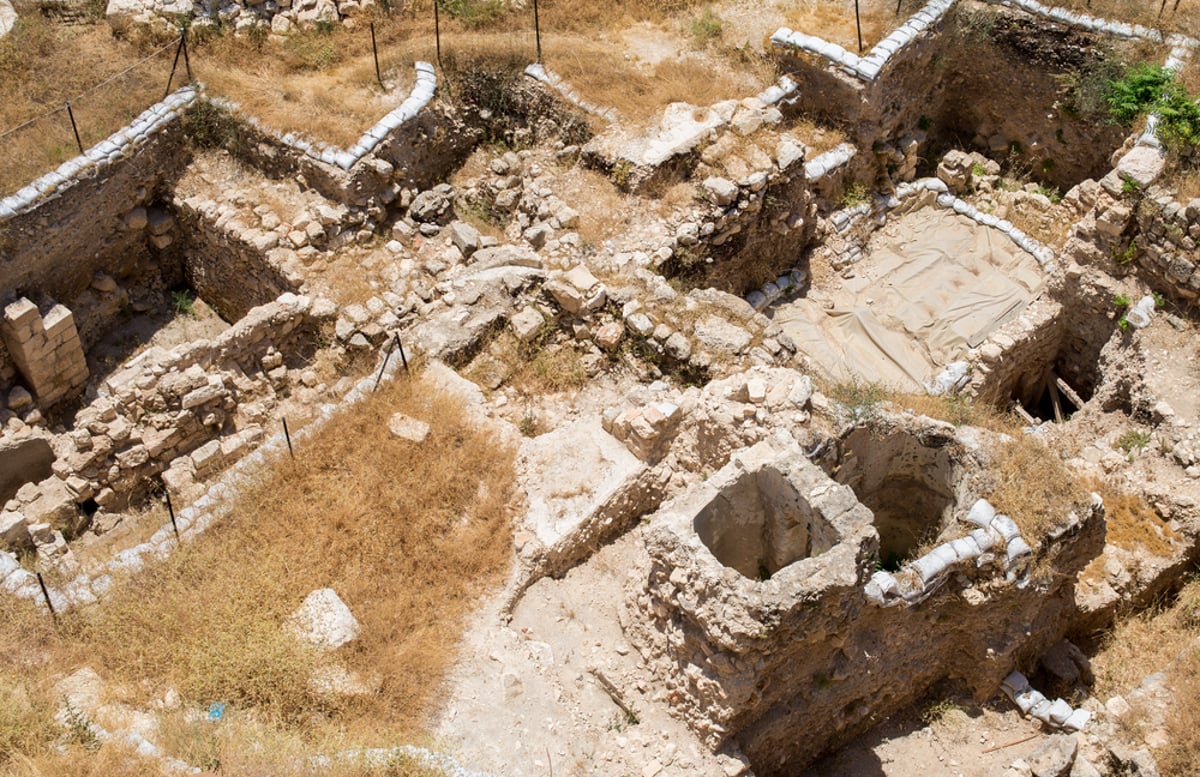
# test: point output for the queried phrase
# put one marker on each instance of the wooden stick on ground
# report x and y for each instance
(614, 694)
(1068, 392)
(1054, 400)
(994, 748)
(1024, 414)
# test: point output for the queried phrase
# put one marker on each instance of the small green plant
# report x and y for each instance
(978, 171)
(1121, 300)
(1125, 255)
(1123, 324)
(1131, 440)
(1130, 186)
(1049, 192)
(1160, 301)
(529, 424)
(855, 194)
(624, 718)
(1137, 91)
(474, 13)
(860, 399)
(622, 172)
(938, 711)
(706, 27)
(79, 728)
(184, 302)
(212, 127)
(1145, 88)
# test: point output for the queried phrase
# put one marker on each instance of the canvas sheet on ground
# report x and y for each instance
(931, 285)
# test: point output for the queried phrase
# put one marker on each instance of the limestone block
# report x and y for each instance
(464, 237)
(527, 324)
(21, 317)
(206, 455)
(202, 395)
(324, 620)
(14, 530)
(722, 190)
(719, 335)
(8, 17)
(1142, 165)
(608, 336)
(566, 295)
(408, 428)
(55, 505)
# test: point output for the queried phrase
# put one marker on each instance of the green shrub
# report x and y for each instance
(1146, 88)
(856, 194)
(1137, 91)
(1179, 118)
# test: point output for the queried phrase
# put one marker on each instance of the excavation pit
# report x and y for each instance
(163, 319)
(761, 523)
(931, 285)
(909, 484)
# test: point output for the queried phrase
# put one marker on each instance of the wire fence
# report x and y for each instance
(42, 143)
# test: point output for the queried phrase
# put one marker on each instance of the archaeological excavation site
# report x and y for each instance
(504, 388)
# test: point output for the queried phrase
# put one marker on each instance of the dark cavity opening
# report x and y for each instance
(909, 486)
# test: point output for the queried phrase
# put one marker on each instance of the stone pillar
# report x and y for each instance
(46, 350)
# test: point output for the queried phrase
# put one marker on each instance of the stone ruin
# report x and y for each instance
(801, 565)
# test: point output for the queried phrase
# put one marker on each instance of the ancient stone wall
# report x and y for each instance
(415, 145)
(89, 218)
(193, 409)
(45, 349)
(1165, 246)
(930, 76)
(229, 273)
(809, 647)
(71, 223)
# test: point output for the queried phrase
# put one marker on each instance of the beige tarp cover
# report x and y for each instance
(932, 285)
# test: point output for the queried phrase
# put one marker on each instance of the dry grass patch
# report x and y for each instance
(603, 75)
(536, 368)
(42, 66)
(1132, 522)
(1163, 638)
(1186, 182)
(833, 20)
(958, 410)
(408, 535)
(320, 83)
(817, 138)
(1033, 486)
(608, 211)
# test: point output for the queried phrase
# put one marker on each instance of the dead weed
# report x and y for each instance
(1033, 486)
(408, 535)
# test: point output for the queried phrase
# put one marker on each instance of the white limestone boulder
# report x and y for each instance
(8, 17)
(324, 621)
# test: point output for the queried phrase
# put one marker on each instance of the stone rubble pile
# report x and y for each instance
(182, 415)
(721, 134)
(277, 16)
